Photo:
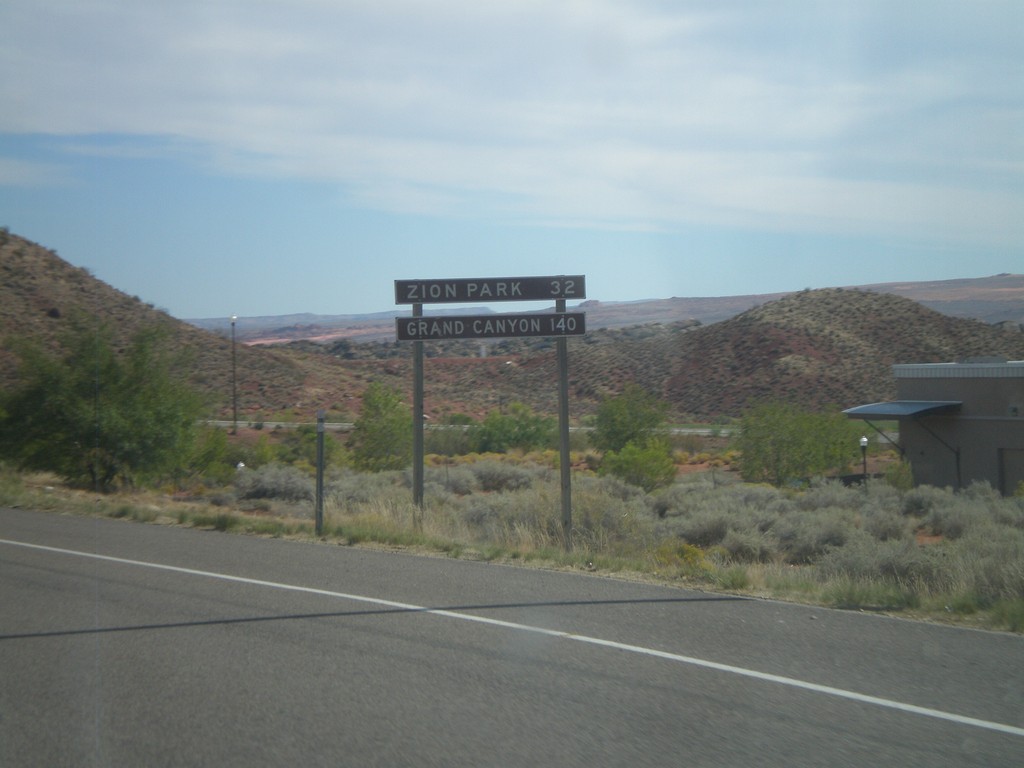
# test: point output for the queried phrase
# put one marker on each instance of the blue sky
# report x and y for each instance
(262, 157)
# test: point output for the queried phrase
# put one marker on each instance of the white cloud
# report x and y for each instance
(15, 172)
(610, 114)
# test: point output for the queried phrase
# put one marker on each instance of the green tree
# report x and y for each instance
(93, 412)
(632, 417)
(208, 457)
(647, 465)
(519, 427)
(382, 437)
(781, 443)
(298, 447)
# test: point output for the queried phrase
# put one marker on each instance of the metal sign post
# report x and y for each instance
(560, 324)
(417, 416)
(563, 432)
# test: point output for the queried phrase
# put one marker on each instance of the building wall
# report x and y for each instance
(988, 431)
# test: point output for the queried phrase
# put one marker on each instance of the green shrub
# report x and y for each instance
(782, 444)
(382, 437)
(632, 417)
(648, 466)
(867, 595)
(219, 522)
(1009, 613)
(99, 411)
(900, 475)
(517, 427)
(735, 578)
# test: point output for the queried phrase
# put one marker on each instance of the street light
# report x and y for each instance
(864, 457)
(234, 380)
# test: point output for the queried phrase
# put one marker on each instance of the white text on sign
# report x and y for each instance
(490, 289)
(490, 326)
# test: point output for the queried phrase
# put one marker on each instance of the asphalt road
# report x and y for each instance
(130, 644)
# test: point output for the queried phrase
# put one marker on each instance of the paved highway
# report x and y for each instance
(130, 644)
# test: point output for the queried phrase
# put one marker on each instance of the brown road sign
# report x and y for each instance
(489, 289)
(491, 326)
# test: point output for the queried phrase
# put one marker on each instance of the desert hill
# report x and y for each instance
(831, 347)
(994, 299)
(822, 348)
(40, 294)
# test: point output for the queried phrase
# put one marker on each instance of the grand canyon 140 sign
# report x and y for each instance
(491, 326)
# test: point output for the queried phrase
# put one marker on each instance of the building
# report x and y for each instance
(958, 422)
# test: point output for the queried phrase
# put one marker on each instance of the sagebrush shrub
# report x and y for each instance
(830, 493)
(953, 519)
(703, 529)
(501, 476)
(349, 487)
(918, 502)
(274, 481)
(884, 523)
(512, 519)
(748, 546)
(804, 537)
(458, 480)
(606, 511)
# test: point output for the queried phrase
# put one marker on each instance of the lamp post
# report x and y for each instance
(864, 458)
(234, 380)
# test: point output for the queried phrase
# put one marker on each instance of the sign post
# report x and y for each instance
(563, 434)
(417, 416)
(560, 324)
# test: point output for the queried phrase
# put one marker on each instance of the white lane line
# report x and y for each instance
(654, 653)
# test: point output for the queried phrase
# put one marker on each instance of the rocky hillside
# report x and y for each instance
(821, 348)
(824, 348)
(993, 299)
(40, 294)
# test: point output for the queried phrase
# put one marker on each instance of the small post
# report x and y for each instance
(319, 473)
(864, 459)
(234, 380)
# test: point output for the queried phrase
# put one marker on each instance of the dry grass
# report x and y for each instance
(925, 552)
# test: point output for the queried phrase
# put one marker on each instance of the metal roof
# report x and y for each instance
(1011, 369)
(903, 408)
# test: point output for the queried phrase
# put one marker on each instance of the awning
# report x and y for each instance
(903, 409)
